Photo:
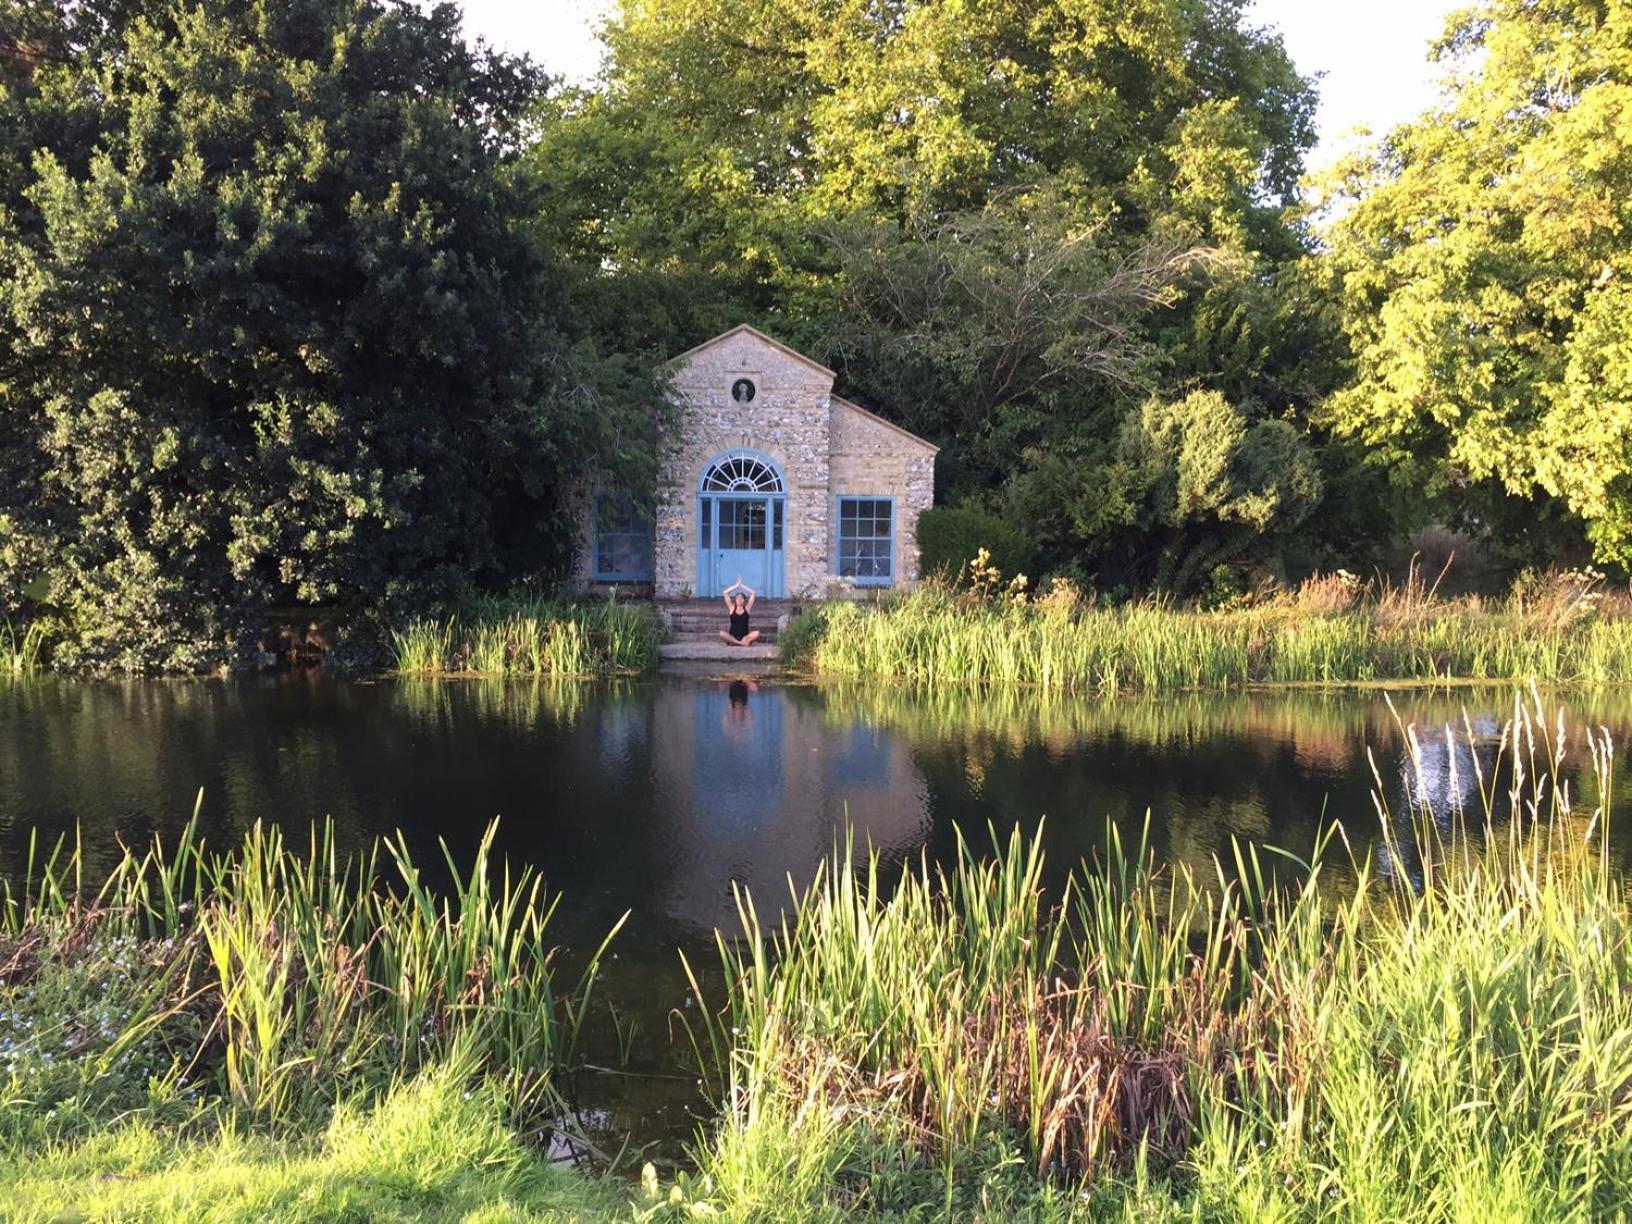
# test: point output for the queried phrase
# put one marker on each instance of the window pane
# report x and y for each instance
(866, 538)
(743, 524)
(623, 539)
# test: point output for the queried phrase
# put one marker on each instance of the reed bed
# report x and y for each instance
(935, 635)
(269, 983)
(22, 651)
(531, 637)
(1451, 1039)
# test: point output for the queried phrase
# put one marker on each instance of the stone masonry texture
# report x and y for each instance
(825, 446)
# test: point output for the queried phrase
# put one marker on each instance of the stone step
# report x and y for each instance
(764, 639)
(707, 629)
(717, 651)
(700, 620)
(771, 610)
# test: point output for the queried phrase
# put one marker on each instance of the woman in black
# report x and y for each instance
(739, 601)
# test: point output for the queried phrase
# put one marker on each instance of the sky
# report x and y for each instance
(1373, 55)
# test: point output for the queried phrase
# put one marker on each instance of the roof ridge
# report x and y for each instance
(751, 330)
(884, 421)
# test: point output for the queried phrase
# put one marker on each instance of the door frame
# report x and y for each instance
(706, 542)
(776, 559)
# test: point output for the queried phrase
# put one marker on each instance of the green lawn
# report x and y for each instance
(432, 1150)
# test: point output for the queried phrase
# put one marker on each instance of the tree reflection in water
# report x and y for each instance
(657, 796)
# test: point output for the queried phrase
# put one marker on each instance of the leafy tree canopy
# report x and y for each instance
(1483, 263)
(1006, 224)
(1189, 484)
(271, 332)
(725, 132)
(1009, 327)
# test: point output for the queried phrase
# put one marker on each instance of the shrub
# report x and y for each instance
(949, 537)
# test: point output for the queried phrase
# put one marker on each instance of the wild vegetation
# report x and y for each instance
(170, 1037)
(1448, 1039)
(314, 304)
(531, 637)
(21, 648)
(1481, 267)
(367, 366)
(279, 980)
(1330, 630)
(1441, 1030)
(270, 332)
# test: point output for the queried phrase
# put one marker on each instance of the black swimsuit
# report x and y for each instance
(739, 625)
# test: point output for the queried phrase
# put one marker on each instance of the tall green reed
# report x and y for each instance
(319, 975)
(21, 650)
(933, 636)
(531, 637)
(1448, 1023)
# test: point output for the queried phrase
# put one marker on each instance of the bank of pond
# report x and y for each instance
(1438, 1027)
(1320, 634)
(1560, 628)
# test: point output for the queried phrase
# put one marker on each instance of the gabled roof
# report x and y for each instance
(758, 335)
(836, 400)
(841, 402)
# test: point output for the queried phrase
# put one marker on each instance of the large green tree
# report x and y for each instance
(1187, 485)
(271, 332)
(1004, 222)
(1482, 256)
(725, 133)
(1009, 327)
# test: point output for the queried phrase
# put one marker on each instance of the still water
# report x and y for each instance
(656, 797)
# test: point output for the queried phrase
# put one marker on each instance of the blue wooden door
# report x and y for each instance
(741, 535)
(742, 545)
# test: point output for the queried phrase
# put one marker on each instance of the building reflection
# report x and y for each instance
(754, 788)
(656, 797)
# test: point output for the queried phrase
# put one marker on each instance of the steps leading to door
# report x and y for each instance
(700, 620)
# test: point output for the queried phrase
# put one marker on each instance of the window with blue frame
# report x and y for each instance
(623, 540)
(867, 540)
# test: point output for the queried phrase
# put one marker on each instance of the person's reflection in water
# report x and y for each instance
(738, 717)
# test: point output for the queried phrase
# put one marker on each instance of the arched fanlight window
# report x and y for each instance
(741, 474)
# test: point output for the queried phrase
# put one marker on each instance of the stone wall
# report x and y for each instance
(787, 420)
(872, 458)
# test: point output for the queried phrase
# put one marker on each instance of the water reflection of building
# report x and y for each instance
(755, 787)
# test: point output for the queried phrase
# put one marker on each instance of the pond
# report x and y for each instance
(657, 797)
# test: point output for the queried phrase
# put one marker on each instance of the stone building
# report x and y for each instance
(770, 477)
